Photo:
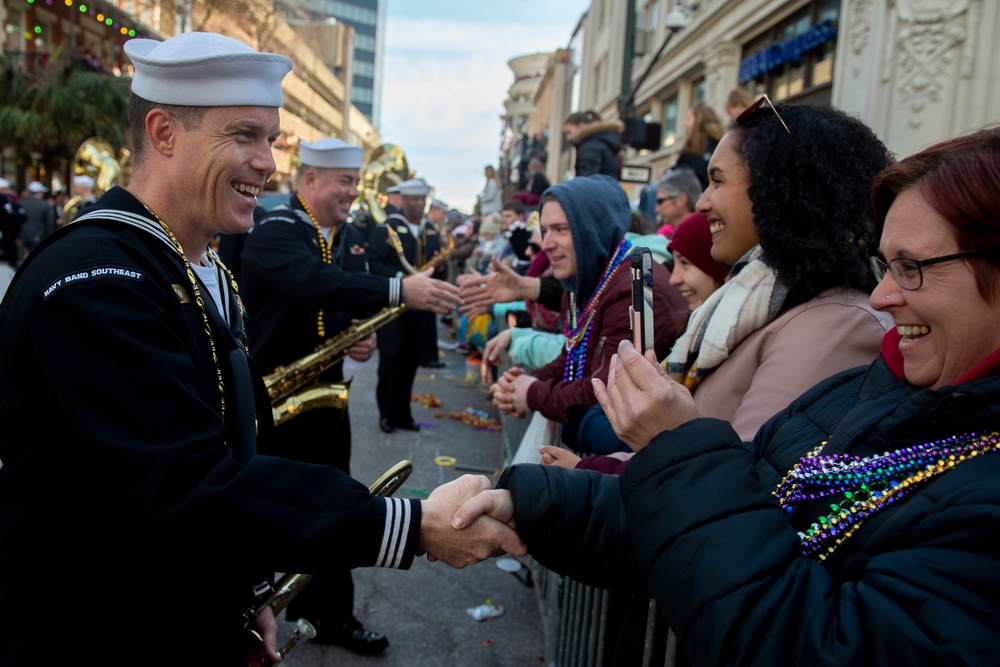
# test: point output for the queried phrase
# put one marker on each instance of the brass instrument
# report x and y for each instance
(386, 167)
(95, 158)
(286, 385)
(291, 584)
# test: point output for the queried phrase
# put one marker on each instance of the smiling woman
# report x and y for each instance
(874, 489)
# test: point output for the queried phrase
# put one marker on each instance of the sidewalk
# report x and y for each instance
(422, 611)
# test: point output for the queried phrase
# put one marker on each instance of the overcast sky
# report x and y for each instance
(446, 78)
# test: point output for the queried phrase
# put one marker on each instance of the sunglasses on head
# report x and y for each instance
(757, 106)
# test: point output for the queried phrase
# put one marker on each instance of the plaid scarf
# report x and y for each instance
(750, 298)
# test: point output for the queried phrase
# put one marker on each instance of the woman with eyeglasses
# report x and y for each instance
(859, 527)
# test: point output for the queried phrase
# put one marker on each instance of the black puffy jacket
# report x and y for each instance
(597, 147)
(917, 583)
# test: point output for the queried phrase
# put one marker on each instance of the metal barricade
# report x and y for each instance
(575, 618)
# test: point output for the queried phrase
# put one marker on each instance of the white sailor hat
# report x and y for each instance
(437, 203)
(83, 181)
(4, 183)
(205, 69)
(414, 188)
(36, 187)
(330, 153)
(392, 190)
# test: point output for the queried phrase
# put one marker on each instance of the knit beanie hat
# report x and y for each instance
(693, 239)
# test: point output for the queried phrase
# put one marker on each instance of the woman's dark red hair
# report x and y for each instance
(960, 179)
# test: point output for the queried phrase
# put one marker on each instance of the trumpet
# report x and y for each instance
(291, 585)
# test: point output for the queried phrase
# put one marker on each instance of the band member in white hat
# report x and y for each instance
(132, 499)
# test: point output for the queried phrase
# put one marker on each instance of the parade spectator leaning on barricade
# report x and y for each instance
(794, 309)
(859, 525)
(583, 225)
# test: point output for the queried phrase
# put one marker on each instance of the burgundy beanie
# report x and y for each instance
(693, 239)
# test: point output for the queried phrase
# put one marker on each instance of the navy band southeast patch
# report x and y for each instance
(93, 274)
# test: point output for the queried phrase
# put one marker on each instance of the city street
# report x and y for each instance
(422, 611)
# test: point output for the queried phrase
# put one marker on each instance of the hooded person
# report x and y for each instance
(583, 223)
(597, 143)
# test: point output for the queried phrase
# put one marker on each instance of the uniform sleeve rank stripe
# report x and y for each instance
(93, 274)
(397, 526)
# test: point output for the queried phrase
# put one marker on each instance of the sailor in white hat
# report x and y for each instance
(135, 425)
(83, 196)
(394, 200)
(405, 243)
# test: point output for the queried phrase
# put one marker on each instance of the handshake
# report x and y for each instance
(465, 522)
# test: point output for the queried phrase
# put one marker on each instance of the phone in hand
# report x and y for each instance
(641, 310)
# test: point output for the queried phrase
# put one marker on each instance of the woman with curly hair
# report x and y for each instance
(789, 211)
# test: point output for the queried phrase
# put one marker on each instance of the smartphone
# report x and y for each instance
(641, 310)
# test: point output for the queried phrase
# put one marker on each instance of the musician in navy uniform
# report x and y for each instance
(296, 300)
(132, 499)
(404, 243)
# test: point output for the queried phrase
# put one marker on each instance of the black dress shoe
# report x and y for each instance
(386, 426)
(435, 364)
(353, 636)
(410, 426)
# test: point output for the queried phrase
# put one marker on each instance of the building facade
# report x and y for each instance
(316, 102)
(364, 76)
(916, 71)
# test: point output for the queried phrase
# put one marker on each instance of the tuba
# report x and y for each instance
(386, 167)
(95, 158)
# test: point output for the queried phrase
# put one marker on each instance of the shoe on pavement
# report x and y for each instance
(410, 426)
(435, 364)
(353, 636)
(386, 425)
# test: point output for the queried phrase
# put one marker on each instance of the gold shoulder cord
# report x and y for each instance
(397, 245)
(326, 250)
(201, 305)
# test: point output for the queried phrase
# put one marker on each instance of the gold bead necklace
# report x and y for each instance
(198, 299)
(326, 251)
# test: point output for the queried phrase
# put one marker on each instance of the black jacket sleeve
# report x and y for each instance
(573, 522)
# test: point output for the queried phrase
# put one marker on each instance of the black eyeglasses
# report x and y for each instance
(908, 273)
(757, 106)
(660, 200)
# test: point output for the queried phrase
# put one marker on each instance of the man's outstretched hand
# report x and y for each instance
(477, 541)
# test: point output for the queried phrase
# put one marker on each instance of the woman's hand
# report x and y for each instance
(557, 456)
(640, 399)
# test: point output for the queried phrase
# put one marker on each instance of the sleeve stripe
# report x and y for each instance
(395, 291)
(397, 526)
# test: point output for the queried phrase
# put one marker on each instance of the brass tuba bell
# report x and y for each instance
(95, 158)
(386, 167)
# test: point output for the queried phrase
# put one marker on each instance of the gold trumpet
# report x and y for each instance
(291, 585)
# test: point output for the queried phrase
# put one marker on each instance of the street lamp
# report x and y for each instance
(638, 133)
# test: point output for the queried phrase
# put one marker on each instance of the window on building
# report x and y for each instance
(698, 90)
(795, 57)
(669, 121)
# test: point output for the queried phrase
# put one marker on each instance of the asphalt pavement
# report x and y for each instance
(423, 610)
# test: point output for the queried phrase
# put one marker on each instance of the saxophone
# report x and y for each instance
(286, 386)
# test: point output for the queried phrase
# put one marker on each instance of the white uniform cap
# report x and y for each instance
(83, 181)
(205, 69)
(437, 203)
(4, 183)
(330, 153)
(414, 188)
(392, 190)
(36, 186)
